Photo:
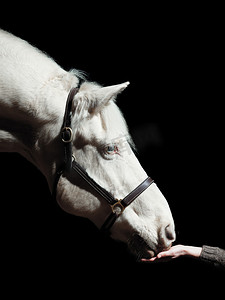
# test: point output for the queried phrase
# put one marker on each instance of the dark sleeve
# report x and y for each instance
(213, 255)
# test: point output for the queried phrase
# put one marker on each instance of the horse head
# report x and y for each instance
(102, 145)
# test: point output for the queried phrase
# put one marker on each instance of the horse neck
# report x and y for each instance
(33, 92)
(30, 125)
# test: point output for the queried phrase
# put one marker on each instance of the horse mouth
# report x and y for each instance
(139, 248)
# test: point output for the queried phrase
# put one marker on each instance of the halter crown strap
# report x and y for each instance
(66, 138)
(67, 132)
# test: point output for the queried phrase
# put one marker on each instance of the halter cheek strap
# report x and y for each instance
(71, 165)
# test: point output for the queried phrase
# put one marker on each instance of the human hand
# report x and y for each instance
(174, 252)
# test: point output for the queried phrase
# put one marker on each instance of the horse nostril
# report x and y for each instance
(170, 233)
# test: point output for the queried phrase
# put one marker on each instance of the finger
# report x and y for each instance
(167, 253)
(149, 259)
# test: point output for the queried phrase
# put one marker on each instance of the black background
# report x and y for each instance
(173, 57)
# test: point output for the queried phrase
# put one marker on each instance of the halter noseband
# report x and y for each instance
(71, 165)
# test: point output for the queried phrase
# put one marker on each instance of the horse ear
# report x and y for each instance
(103, 95)
(93, 98)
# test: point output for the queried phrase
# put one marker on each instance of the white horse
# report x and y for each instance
(33, 93)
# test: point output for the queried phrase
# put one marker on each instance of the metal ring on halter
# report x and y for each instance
(118, 208)
(69, 138)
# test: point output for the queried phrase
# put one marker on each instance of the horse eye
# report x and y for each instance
(111, 149)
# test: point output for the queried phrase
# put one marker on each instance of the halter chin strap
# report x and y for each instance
(71, 165)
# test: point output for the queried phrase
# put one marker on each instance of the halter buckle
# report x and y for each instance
(118, 208)
(67, 135)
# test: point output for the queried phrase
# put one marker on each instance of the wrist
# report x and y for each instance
(193, 251)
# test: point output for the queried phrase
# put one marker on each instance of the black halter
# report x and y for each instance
(71, 165)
